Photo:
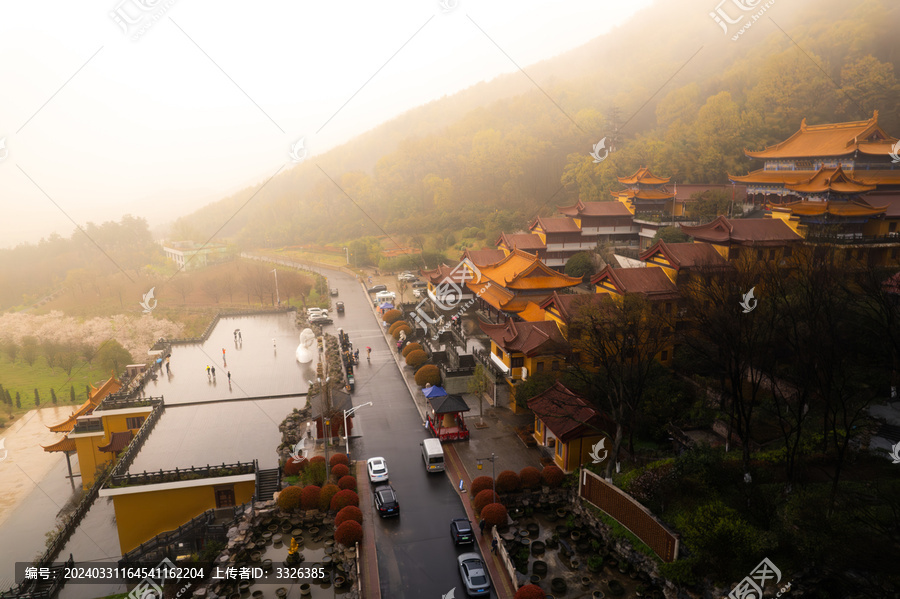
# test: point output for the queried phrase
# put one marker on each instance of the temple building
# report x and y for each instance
(604, 222)
(647, 195)
(748, 238)
(836, 180)
(527, 242)
(563, 239)
(683, 262)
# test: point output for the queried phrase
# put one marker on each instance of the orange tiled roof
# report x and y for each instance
(835, 139)
(649, 282)
(532, 313)
(522, 241)
(833, 180)
(529, 338)
(644, 176)
(611, 208)
(684, 255)
(555, 224)
(523, 271)
(645, 194)
(753, 231)
(866, 177)
(435, 276)
(851, 208)
(64, 444)
(493, 294)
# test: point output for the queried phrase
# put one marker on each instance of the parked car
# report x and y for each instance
(420, 293)
(378, 471)
(340, 307)
(377, 288)
(461, 531)
(419, 284)
(408, 277)
(320, 319)
(334, 291)
(315, 311)
(386, 501)
(474, 575)
(382, 296)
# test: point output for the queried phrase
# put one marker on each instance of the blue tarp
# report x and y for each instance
(386, 306)
(434, 392)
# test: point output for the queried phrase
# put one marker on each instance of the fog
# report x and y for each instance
(110, 109)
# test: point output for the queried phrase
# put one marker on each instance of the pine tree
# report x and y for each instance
(87, 389)
(53, 395)
(37, 397)
(18, 400)
(72, 390)
(2, 394)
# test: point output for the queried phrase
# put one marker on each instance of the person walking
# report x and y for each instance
(368, 354)
(213, 371)
(229, 377)
(482, 525)
(241, 339)
(167, 367)
(494, 546)
(223, 353)
(207, 370)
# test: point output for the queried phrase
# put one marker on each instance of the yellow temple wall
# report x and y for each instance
(89, 457)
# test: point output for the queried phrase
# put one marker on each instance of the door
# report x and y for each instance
(225, 496)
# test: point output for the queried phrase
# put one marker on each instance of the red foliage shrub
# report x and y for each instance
(394, 326)
(347, 482)
(392, 316)
(348, 533)
(339, 470)
(530, 591)
(552, 476)
(413, 346)
(309, 499)
(317, 459)
(485, 497)
(508, 481)
(294, 467)
(428, 374)
(289, 498)
(530, 477)
(328, 491)
(494, 514)
(416, 358)
(480, 484)
(339, 458)
(351, 512)
(403, 327)
(344, 498)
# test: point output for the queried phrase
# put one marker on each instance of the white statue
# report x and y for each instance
(306, 349)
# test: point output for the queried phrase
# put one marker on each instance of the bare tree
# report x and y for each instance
(212, 287)
(183, 285)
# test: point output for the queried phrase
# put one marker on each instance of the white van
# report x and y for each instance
(433, 454)
(385, 295)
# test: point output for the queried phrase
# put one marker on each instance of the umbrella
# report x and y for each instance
(386, 306)
(434, 392)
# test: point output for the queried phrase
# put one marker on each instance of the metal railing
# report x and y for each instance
(127, 456)
(177, 475)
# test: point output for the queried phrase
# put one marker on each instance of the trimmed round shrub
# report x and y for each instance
(344, 498)
(351, 512)
(317, 459)
(530, 477)
(404, 328)
(552, 476)
(416, 358)
(347, 482)
(428, 374)
(508, 481)
(494, 514)
(349, 533)
(339, 471)
(309, 499)
(483, 498)
(412, 346)
(339, 458)
(530, 591)
(328, 492)
(289, 498)
(392, 316)
(394, 326)
(294, 467)
(480, 484)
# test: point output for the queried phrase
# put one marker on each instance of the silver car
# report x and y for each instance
(474, 575)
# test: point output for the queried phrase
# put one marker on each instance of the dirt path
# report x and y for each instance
(26, 463)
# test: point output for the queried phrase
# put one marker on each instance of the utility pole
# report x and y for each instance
(277, 297)
(493, 460)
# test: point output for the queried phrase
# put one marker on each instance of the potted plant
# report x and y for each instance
(595, 563)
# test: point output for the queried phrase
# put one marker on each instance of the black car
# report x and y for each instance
(377, 288)
(334, 291)
(340, 307)
(386, 501)
(461, 531)
(419, 284)
(320, 319)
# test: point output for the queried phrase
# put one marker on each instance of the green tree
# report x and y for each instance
(11, 349)
(72, 393)
(580, 265)
(53, 395)
(30, 349)
(113, 357)
(18, 400)
(37, 397)
(670, 235)
(479, 384)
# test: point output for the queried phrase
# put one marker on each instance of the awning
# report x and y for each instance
(434, 392)
(449, 404)
(118, 442)
(386, 306)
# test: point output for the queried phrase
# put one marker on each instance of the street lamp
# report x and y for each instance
(493, 459)
(348, 413)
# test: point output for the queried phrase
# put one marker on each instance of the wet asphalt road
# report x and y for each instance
(416, 558)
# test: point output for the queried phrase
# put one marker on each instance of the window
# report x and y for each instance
(517, 362)
(559, 449)
(135, 422)
(555, 365)
(540, 367)
(664, 356)
(788, 252)
(893, 227)
(668, 307)
(499, 353)
(771, 254)
(759, 254)
(734, 253)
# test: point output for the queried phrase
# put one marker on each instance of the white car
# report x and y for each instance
(385, 295)
(420, 293)
(316, 312)
(378, 471)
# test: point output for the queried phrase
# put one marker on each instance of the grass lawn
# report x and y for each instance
(19, 376)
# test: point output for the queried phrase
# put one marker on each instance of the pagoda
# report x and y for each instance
(647, 195)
